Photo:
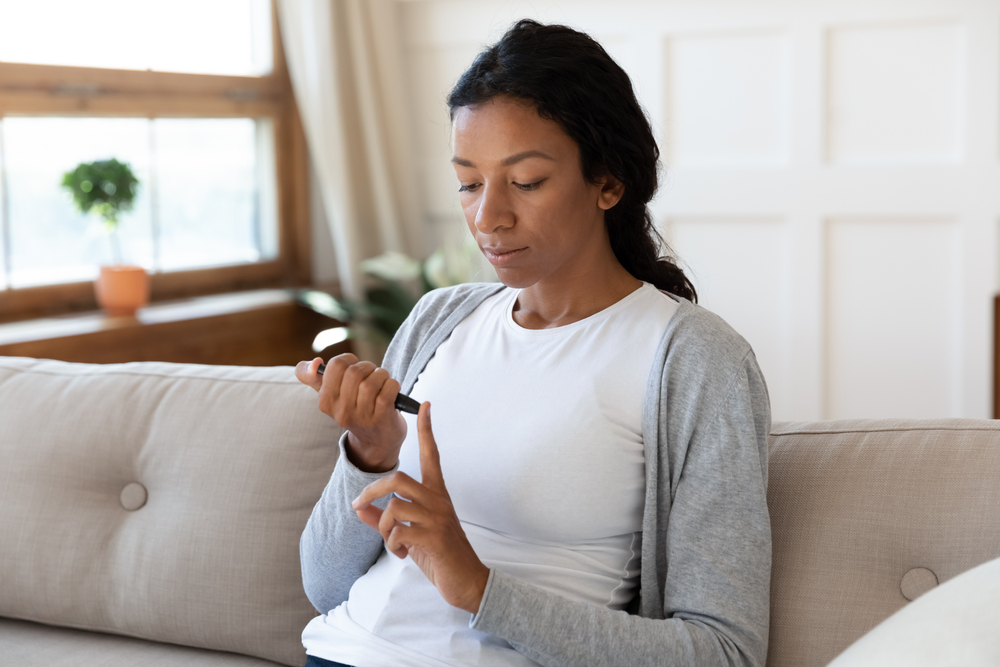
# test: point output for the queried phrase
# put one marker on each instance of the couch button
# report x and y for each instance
(133, 496)
(916, 582)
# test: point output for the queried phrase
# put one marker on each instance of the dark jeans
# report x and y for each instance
(313, 661)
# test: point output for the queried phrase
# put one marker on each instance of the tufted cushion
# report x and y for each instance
(866, 514)
(161, 501)
(954, 625)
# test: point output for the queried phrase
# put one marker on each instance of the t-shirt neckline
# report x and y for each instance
(508, 314)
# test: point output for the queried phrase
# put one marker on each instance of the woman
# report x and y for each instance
(594, 489)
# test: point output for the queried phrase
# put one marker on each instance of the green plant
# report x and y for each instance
(396, 283)
(107, 188)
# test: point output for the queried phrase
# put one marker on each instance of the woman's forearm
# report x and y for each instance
(336, 547)
(557, 632)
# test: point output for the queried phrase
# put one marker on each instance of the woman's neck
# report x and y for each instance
(574, 295)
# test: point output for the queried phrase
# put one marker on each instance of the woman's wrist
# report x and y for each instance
(356, 451)
(477, 590)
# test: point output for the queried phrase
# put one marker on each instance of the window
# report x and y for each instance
(194, 36)
(194, 96)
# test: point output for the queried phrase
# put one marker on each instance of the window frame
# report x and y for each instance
(59, 90)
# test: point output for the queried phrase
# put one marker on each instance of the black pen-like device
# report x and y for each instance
(403, 402)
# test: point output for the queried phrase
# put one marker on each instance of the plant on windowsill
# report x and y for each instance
(107, 188)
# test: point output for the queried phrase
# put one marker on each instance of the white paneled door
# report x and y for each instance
(832, 177)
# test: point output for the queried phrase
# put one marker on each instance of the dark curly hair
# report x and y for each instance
(572, 80)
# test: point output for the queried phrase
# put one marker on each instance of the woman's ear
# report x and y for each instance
(611, 191)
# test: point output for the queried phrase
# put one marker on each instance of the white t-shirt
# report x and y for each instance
(540, 435)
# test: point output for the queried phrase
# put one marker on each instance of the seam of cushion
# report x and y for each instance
(133, 374)
(887, 429)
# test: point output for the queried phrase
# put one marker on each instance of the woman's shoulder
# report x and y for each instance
(704, 364)
(700, 342)
(432, 319)
(446, 305)
(445, 300)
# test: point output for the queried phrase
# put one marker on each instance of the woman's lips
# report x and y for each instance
(500, 257)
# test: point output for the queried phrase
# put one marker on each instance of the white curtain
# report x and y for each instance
(345, 65)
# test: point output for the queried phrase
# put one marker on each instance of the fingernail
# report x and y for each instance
(356, 502)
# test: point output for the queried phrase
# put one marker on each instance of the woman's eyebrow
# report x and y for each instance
(508, 161)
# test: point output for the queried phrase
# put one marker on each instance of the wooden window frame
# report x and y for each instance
(56, 90)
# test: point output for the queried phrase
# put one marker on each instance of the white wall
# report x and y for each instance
(832, 177)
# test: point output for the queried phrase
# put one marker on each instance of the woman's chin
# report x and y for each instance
(516, 278)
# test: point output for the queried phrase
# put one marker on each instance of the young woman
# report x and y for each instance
(593, 491)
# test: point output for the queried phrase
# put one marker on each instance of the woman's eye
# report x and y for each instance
(527, 187)
(468, 188)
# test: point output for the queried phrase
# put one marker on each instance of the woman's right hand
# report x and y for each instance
(361, 397)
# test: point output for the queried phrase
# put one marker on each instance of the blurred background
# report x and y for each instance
(831, 174)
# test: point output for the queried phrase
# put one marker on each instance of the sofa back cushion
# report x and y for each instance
(867, 515)
(162, 501)
(954, 625)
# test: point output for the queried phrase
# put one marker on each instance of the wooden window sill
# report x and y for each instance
(254, 328)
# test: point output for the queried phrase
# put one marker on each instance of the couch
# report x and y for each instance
(150, 514)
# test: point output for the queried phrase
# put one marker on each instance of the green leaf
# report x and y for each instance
(115, 193)
(388, 306)
(326, 304)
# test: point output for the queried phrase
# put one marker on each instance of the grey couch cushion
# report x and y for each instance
(161, 501)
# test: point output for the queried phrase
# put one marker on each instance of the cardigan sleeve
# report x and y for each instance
(716, 543)
(336, 547)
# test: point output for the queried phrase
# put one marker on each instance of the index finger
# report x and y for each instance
(430, 458)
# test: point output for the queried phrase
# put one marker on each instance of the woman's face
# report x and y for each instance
(526, 201)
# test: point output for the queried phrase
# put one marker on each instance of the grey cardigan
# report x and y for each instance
(706, 538)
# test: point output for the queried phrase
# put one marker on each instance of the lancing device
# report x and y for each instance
(403, 402)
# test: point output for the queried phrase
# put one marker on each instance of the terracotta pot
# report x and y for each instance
(121, 290)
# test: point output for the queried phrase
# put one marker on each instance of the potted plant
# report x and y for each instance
(108, 188)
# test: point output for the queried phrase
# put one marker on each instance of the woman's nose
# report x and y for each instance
(494, 211)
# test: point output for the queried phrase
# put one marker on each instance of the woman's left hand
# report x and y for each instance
(434, 538)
